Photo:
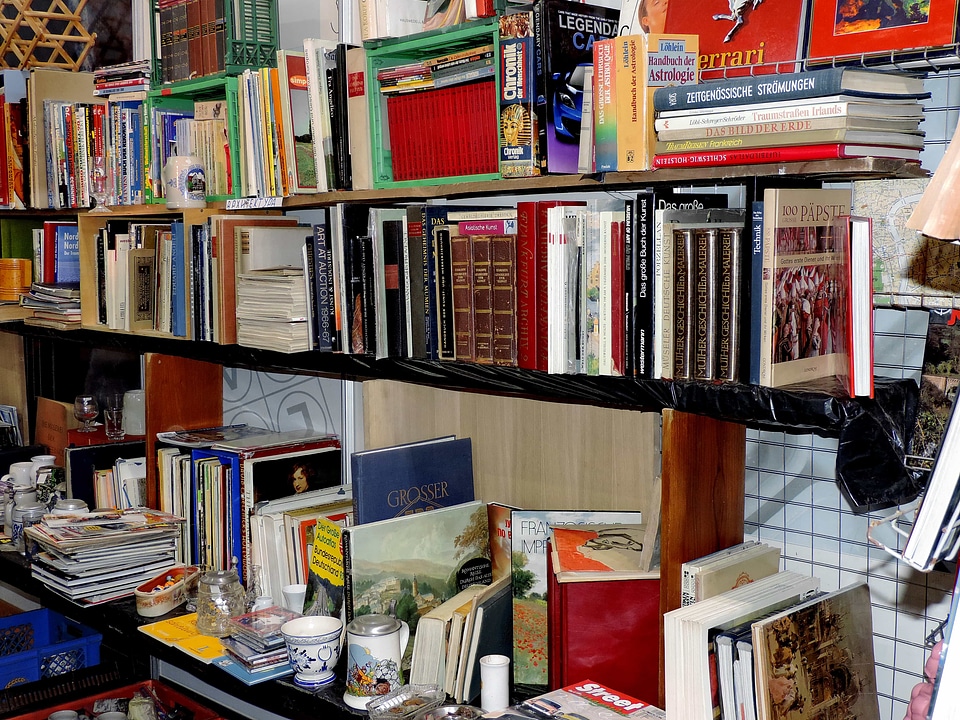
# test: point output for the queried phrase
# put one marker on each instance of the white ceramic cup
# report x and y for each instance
(184, 182)
(39, 461)
(494, 682)
(313, 646)
(20, 473)
(293, 597)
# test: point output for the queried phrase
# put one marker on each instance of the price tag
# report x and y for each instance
(254, 203)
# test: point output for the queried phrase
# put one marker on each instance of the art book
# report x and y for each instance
(863, 31)
(529, 534)
(804, 291)
(411, 478)
(563, 51)
(406, 564)
(817, 658)
(766, 35)
(597, 589)
(519, 133)
(939, 380)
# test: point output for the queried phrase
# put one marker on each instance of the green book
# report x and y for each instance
(16, 236)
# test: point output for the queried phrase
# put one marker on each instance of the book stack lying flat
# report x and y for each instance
(55, 305)
(272, 310)
(811, 115)
(99, 556)
(255, 648)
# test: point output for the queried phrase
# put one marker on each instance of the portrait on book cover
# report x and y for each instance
(852, 28)
(287, 475)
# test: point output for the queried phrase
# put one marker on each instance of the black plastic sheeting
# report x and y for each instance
(873, 434)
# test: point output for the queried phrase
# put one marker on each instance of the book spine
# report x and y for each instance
(323, 290)
(644, 312)
(461, 269)
(368, 295)
(519, 138)
(761, 128)
(663, 297)
(541, 45)
(102, 277)
(704, 289)
(619, 299)
(527, 334)
(729, 312)
(394, 292)
(766, 300)
(347, 575)
(765, 113)
(418, 258)
(444, 295)
(605, 106)
(778, 138)
(504, 264)
(629, 284)
(482, 247)
(311, 286)
(631, 120)
(750, 89)
(787, 153)
(688, 586)
(683, 273)
(753, 299)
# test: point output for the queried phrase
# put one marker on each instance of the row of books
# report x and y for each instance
(190, 38)
(770, 646)
(811, 115)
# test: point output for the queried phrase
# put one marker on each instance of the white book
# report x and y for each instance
(315, 54)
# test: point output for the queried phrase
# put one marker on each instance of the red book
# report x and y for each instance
(763, 34)
(527, 264)
(837, 31)
(625, 613)
(792, 153)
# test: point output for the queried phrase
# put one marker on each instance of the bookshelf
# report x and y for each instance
(701, 429)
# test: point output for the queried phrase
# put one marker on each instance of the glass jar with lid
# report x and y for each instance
(220, 596)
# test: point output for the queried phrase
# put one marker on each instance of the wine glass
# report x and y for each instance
(99, 184)
(85, 408)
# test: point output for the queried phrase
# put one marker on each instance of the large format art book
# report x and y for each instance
(736, 35)
(565, 32)
(864, 31)
(530, 530)
(815, 659)
(802, 328)
(411, 478)
(406, 565)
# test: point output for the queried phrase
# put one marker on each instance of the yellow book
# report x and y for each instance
(642, 64)
(181, 632)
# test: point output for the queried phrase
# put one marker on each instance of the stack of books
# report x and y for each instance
(272, 310)
(55, 305)
(255, 647)
(437, 72)
(811, 115)
(96, 557)
(124, 77)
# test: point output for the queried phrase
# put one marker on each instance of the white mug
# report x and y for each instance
(39, 461)
(184, 182)
(293, 596)
(375, 645)
(20, 473)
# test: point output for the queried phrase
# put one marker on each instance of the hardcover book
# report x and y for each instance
(816, 655)
(519, 133)
(402, 565)
(620, 604)
(298, 137)
(529, 534)
(564, 50)
(865, 32)
(411, 478)
(741, 38)
(804, 286)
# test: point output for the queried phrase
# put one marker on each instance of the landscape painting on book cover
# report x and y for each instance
(863, 27)
(939, 380)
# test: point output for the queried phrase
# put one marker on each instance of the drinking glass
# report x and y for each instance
(85, 409)
(100, 185)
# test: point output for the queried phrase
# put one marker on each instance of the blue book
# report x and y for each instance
(411, 478)
(219, 530)
(178, 282)
(67, 253)
(252, 678)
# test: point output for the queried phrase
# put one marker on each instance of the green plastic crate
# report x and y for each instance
(181, 96)
(394, 52)
(242, 33)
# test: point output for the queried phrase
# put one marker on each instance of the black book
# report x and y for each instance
(394, 259)
(323, 288)
(446, 349)
(418, 257)
(340, 122)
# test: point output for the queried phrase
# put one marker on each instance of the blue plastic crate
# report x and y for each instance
(42, 643)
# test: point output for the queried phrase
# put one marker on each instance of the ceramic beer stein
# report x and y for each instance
(375, 645)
